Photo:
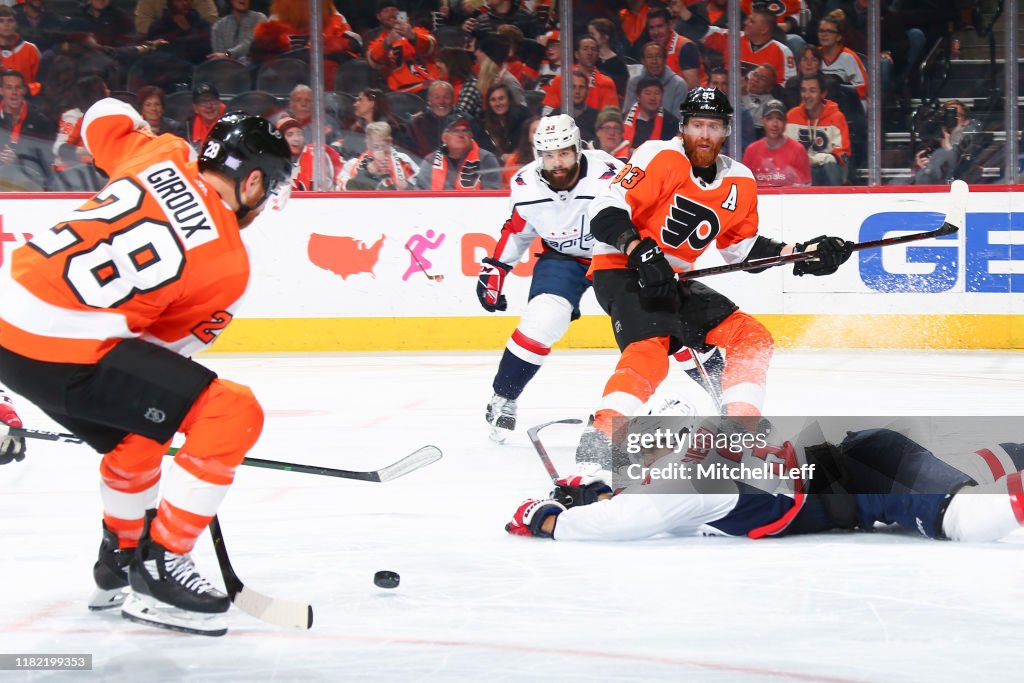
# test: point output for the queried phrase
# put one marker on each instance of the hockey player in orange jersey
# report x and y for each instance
(98, 316)
(672, 201)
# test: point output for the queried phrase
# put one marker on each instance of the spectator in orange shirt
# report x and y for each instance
(756, 44)
(402, 53)
(17, 54)
(633, 22)
(601, 90)
(821, 128)
(584, 115)
(208, 108)
(287, 28)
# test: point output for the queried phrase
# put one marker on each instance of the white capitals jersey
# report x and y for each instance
(698, 491)
(558, 217)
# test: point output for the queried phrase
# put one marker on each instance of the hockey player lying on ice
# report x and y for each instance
(871, 476)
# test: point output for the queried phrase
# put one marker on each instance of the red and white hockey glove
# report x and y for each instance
(11, 447)
(579, 489)
(490, 283)
(530, 516)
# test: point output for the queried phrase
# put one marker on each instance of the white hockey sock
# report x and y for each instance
(124, 505)
(984, 513)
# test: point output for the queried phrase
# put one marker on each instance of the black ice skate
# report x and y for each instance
(168, 592)
(501, 415)
(110, 573)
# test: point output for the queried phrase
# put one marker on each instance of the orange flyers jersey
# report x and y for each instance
(666, 202)
(773, 52)
(156, 254)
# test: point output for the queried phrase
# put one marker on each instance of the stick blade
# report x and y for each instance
(533, 431)
(957, 214)
(410, 463)
(284, 613)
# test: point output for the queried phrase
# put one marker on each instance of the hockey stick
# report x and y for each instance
(955, 220)
(410, 463)
(286, 613)
(542, 452)
(435, 278)
(416, 460)
(38, 434)
(705, 378)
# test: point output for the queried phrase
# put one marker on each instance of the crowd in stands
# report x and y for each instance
(445, 94)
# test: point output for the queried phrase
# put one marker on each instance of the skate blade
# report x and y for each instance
(498, 435)
(108, 599)
(143, 609)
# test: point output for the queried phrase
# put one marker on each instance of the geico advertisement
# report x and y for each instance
(419, 256)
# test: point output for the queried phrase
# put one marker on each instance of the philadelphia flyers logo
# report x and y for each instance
(689, 222)
(775, 7)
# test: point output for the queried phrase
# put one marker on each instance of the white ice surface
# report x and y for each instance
(477, 605)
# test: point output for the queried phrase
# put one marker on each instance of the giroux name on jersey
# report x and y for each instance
(181, 204)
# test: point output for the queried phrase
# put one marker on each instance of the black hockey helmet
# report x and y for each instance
(239, 143)
(706, 102)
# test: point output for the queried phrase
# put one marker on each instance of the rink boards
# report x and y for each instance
(346, 272)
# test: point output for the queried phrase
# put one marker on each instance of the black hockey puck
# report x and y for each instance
(386, 579)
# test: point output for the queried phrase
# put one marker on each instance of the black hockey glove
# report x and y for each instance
(830, 253)
(580, 489)
(490, 283)
(656, 277)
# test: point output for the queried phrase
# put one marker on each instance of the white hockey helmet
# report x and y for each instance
(556, 132)
(661, 414)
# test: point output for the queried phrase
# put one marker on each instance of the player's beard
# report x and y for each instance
(701, 156)
(562, 181)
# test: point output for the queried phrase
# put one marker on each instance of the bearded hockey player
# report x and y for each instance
(549, 198)
(672, 201)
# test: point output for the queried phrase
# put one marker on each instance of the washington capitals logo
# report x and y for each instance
(609, 171)
(519, 179)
